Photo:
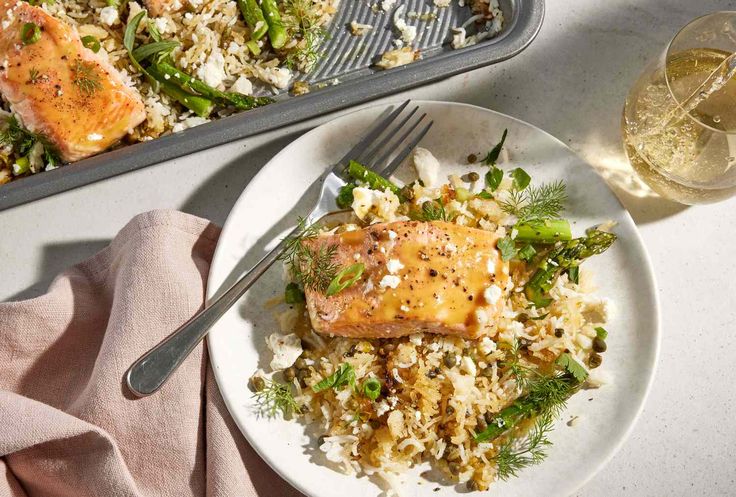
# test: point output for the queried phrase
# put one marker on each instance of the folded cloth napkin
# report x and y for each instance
(68, 425)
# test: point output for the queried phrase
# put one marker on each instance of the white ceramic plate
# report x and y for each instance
(624, 274)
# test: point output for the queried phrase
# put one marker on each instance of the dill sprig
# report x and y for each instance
(33, 76)
(518, 453)
(313, 268)
(520, 372)
(302, 23)
(85, 77)
(275, 397)
(536, 203)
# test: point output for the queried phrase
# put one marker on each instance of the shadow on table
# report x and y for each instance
(56, 258)
(215, 198)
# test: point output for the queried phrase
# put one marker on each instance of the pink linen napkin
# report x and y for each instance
(68, 425)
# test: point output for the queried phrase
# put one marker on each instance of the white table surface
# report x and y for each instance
(572, 82)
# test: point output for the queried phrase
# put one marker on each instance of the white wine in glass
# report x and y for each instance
(679, 122)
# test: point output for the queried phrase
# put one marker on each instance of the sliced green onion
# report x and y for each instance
(30, 33)
(21, 166)
(91, 42)
(527, 253)
(293, 294)
(344, 375)
(372, 388)
(601, 332)
(463, 194)
(345, 278)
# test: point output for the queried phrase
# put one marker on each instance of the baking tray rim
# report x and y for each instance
(525, 24)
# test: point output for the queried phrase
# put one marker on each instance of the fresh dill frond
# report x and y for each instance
(518, 453)
(85, 77)
(275, 397)
(536, 203)
(302, 23)
(314, 268)
(520, 372)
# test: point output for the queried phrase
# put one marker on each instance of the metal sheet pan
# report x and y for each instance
(358, 83)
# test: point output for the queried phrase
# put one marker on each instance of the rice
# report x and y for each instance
(431, 407)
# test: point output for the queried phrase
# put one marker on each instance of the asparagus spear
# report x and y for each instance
(375, 181)
(253, 16)
(345, 196)
(199, 105)
(276, 30)
(547, 231)
(546, 395)
(564, 256)
(166, 72)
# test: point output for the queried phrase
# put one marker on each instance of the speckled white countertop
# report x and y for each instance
(572, 82)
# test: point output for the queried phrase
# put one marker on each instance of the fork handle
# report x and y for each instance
(152, 369)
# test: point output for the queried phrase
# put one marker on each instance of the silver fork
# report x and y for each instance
(392, 136)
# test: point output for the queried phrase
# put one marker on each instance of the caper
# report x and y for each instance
(256, 384)
(389, 347)
(454, 468)
(523, 317)
(599, 345)
(289, 373)
(407, 192)
(302, 376)
(300, 363)
(487, 372)
(432, 373)
(472, 158)
(480, 423)
(450, 360)
(449, 410)
(489, 417)
(471, 486)
(321, 440)
(375, 424)
(473, 176)
(304, 408)
(559, 332)
(595, 360)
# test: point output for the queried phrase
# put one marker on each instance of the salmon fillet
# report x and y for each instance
(434, 277)
(59, 88)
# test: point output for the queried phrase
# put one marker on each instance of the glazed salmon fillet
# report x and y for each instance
(434, 277)
(59, 88)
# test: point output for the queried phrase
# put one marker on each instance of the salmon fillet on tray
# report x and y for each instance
(445, 323)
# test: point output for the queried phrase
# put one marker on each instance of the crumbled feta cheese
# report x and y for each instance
(279, 77)
(392, 235)
(468, 366)
(426, 165)
(389, 281)
(382, 204)
(94, 137)
(491, 264)
(408, 33)
(286, 350)
(598, 377)
(404, 308)
(481, 315)
(189, 122)
(109, 15)
(387, 5)
(492, 294)
(242, 85)
(212, 71)
(394, 266)
(487, 346)
(382, 408)
(416, 339)
(161, 24)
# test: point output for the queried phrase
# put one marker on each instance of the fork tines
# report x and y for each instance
(390, 140)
